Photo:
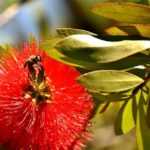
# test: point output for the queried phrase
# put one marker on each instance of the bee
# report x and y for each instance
(33, 60)
(36, 70)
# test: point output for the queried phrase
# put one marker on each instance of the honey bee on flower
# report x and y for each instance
(42, 107)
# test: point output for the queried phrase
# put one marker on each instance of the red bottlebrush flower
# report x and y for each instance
(42, 107)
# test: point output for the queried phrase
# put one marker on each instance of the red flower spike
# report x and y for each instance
(42, 107)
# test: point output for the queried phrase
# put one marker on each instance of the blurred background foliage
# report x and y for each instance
(19, 19)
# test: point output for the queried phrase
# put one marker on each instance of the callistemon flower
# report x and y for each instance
(42, 107)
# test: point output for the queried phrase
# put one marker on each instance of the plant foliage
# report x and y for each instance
(113, 71)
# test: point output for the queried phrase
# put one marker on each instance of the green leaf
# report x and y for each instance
(126, 63)
(142, 130)
(109, 81)
(94, 50)
(49, 45)
(63, 32)
(124, 12)
(125, 121)
(112, 97)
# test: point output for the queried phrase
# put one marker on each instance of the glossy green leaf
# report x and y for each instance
(129, 62)
(63, 32)
(142, 130)
(112, 97)
(126, 63)
(125, 121)
(54, 53)
(124, 12)
(91, 49)
(109, 81)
